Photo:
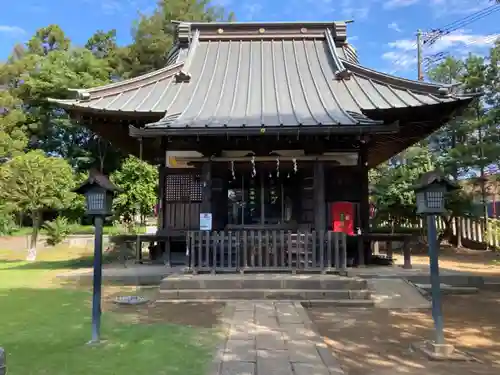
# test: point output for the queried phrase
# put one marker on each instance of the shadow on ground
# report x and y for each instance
(378, 341)
(84, 261)
(202, 314)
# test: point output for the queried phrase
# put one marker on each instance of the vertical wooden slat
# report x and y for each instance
(337, 254)
(275, 248)
(329, 250)
(322, 249)
(214, 237)
(314, 249)
(223, 240)
(189, 250)
(252, 249)
(267, 242)
(207, 249)
(282, 248)
(306, 249)
(245, 250)
(229, 249)
(289, 248)
(260, 247)
(344, 251)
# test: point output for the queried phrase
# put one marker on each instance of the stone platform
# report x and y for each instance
(284, 287)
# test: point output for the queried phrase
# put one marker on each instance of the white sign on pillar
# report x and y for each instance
(205, 221)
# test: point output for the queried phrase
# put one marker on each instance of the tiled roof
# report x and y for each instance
(273, 75)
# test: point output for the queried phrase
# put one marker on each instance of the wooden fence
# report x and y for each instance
(471, 229)
(266, 250)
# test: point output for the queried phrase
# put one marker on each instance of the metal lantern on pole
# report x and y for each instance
(98, 191)
(3, 362)
(430, 196)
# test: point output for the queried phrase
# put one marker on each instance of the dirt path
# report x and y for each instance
(377, 341)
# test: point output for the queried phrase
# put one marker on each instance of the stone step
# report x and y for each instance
(236, 281)
(359, 303)
(265, 294)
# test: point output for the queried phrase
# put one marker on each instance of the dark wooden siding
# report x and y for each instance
(183, 193)
(183, 215)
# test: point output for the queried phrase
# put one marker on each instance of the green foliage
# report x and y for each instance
(153, 34)
(7, 223)
(138, 181)
(392, 184)
(33, 182)
(57, 230)
(13, 138)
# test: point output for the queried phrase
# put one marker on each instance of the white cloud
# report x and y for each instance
(403, 52)
(442, 7)
(390, 4)
(447, 7)
(394, 26)
(352, 10)
(12, 30)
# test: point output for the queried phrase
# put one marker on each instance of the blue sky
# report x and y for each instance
(383, 31)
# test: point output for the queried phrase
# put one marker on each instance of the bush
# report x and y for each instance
(57, 230)
(7, 224)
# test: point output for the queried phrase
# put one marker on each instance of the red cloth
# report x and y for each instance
(343, 217)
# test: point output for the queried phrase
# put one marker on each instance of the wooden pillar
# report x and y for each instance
(219, 196)
(161, 198)
(319, 196)
(364, 248)
(162, 208)
(206, 181)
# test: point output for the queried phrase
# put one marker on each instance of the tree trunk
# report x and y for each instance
(34, 235)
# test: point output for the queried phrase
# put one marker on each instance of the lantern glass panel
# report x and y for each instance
(96, 201)
(434, 200)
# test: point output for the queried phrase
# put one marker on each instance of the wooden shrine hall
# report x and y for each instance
(264, 133)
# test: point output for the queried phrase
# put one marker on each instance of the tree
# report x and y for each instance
(48, 39)
(13, 138)
(139, 183)
(33, 182)
(392, 189)
(153, 34)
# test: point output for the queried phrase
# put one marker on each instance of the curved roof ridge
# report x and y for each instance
(120, 85)
(388, 79)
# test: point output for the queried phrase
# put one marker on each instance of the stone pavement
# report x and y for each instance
(396, 294)
(271, 338)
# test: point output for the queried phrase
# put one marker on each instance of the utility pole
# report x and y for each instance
(419, 55)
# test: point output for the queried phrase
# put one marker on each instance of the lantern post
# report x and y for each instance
(430, 196)
(3, 362)
(98, 191)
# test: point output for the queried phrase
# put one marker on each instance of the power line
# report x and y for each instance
(432, 36)
(435, 34)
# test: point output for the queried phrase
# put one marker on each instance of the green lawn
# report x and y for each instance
(44, 328)
(78, 230)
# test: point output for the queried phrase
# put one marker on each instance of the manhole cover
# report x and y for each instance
(131, 300)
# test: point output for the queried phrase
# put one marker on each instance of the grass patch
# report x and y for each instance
(79, 230)
(45, 327)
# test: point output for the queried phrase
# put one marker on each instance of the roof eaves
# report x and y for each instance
(361, 128)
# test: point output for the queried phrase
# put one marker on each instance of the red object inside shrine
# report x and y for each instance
(343, 217)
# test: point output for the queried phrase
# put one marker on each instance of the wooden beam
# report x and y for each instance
(206, 180)
(319, 196)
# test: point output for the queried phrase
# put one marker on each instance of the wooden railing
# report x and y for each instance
(471, 229)
(266, 250)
